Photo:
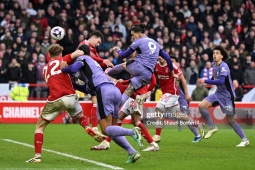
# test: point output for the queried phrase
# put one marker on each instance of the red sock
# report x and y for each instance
(158, 131)
(108, 139)
(145, 132)
(93, 116)
(119, 123)
(38, 142)
(84, 121)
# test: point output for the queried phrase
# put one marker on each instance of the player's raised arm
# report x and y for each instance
(164, 55)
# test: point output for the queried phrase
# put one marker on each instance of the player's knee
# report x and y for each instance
(230, 120)
(201, 106)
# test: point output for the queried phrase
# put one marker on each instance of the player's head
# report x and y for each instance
(55, 50)
(137, 31)
(219, 53)
(161, 60)
(96, 37)
(174, 59)
(85, 48)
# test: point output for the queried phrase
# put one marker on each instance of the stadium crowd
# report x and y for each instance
(188, 30)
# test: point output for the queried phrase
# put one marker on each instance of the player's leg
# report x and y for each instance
(115, 70)
(38, 139)
(108, 116)
(228, 107)
(142, 77)
(160, 109)
(208, 102)
(125, 111)
(118, 134)
(48, 114)
(136, 119)
(187, 120)
(74, 108)
(239, 131)
(166, 101)
(184, 106)
(93, 114)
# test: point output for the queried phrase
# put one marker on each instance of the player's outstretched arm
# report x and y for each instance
(124, 54)
(220, 81)
(73, 68)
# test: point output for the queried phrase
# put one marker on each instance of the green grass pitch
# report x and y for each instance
(176, 150)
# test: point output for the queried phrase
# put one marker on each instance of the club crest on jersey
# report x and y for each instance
(223, 69)
(166, 70)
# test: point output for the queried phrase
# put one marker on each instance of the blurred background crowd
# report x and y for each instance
(188, 30)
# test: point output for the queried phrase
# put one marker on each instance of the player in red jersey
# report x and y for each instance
(168, 106)
(61, 97)
(131, 107)
(94, 41)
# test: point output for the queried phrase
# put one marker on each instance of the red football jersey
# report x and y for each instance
(93, 53)
(59, 83)
(166, 81)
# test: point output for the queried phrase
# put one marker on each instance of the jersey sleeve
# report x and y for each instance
(177, 70)
(67, 58)
(134, 45)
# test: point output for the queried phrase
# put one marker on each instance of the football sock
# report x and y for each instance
(193, 127)
(38, 141)
(83, 121)
(119, 123)
(145, 132)
(93, 116)
(207, 118)
(158, 131)
(122, 142)
(112, 131)
(237, 128)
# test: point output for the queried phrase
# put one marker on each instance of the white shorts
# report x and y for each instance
(168, 103)
(69, 103)
(131, 106)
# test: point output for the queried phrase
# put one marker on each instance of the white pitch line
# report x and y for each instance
(67, 155)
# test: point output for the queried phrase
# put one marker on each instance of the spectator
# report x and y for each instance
(3, 72)
(192, 73)
(29, 76)
(199, 93)
(30, 9)
(14, 71)
(45, 45)
(19, 92)
(237, 73)
(207, 72)
(249, 78)
(41, 89)
(238, 90)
